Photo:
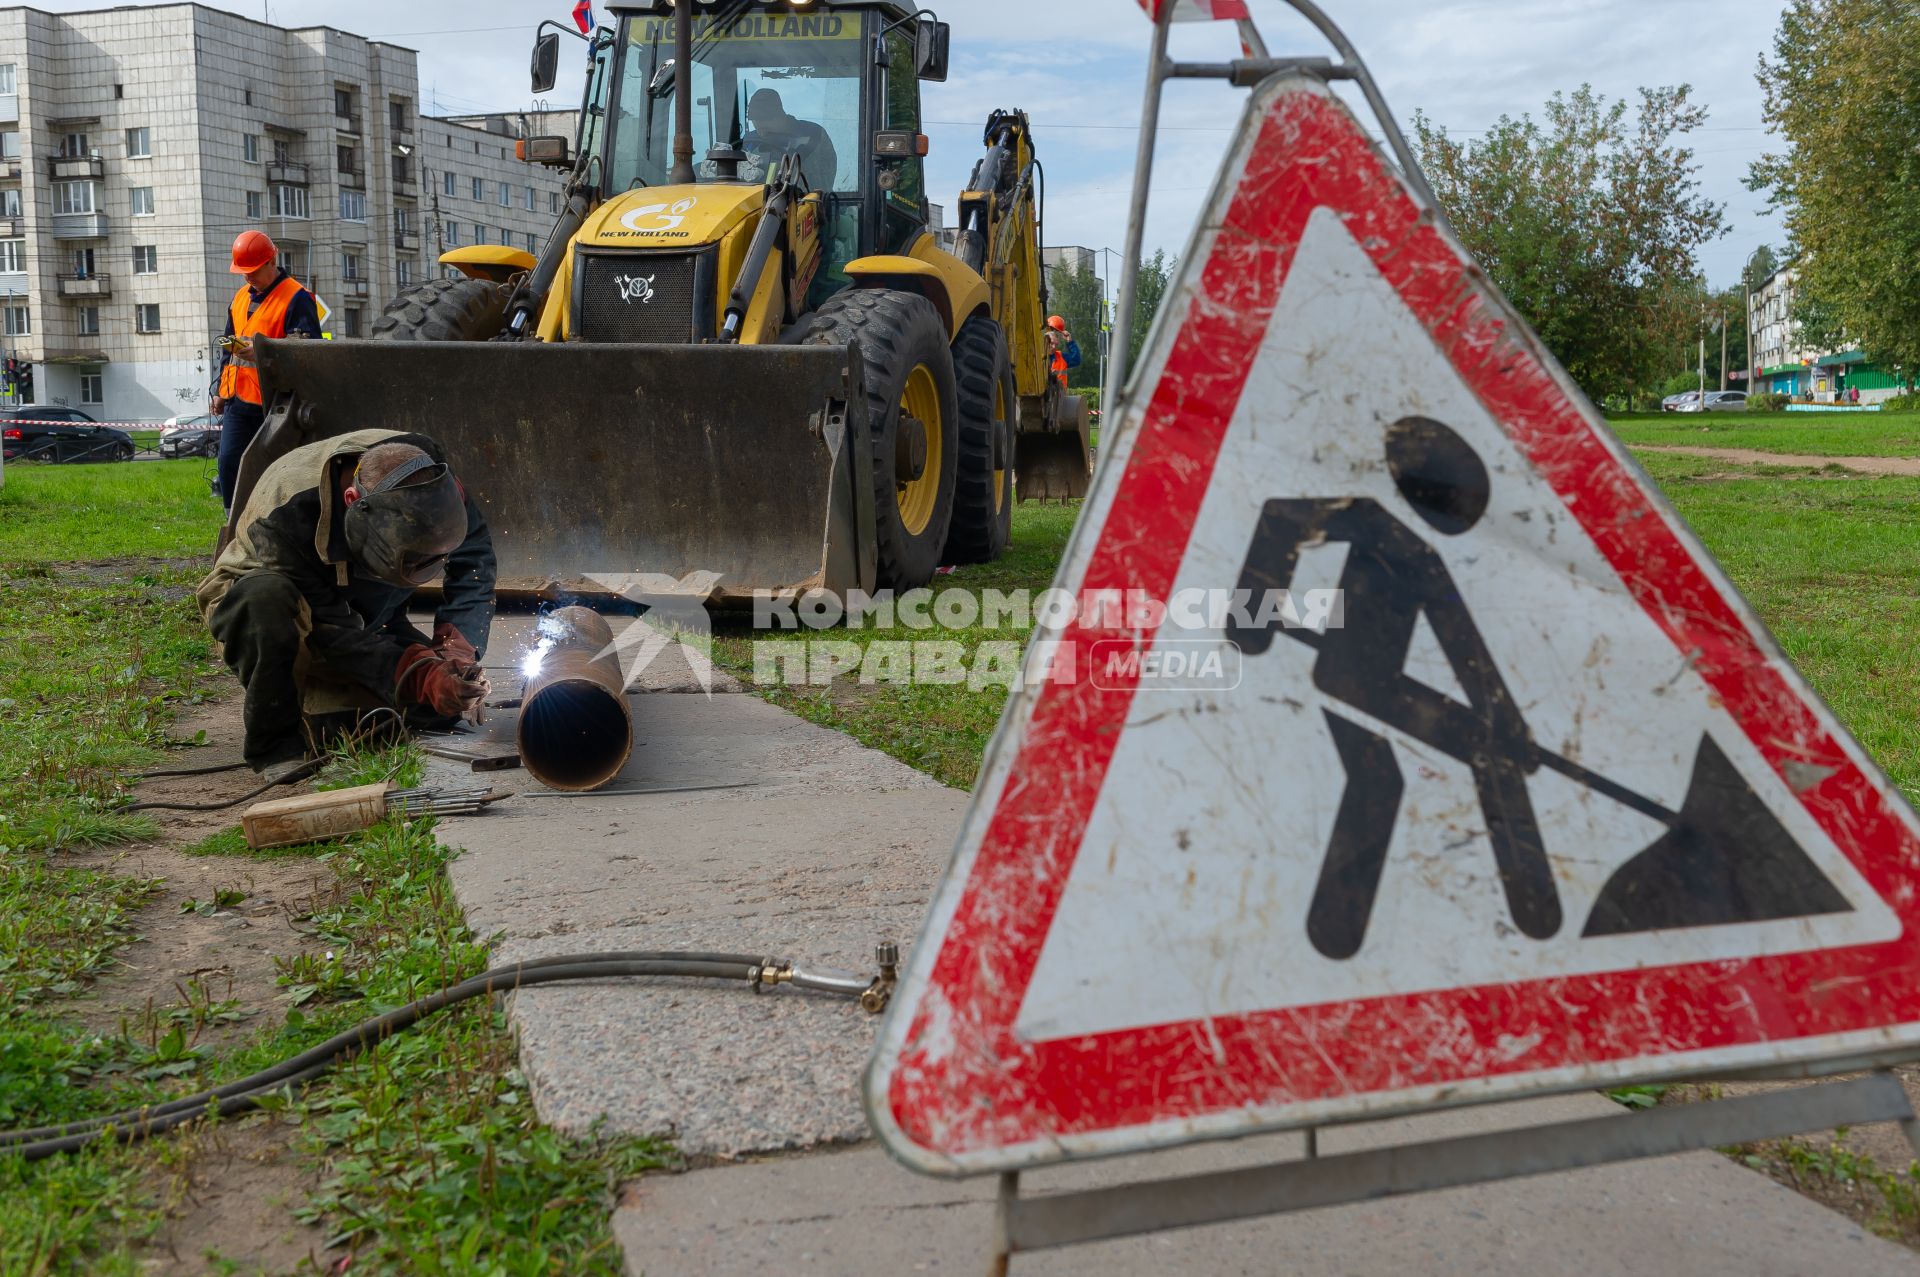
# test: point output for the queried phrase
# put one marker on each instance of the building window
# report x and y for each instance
(349, 264)
(246, 96)
(146, 317)
(13, 256)
(453, 234)
(403, 271)
(73, 197)
(86, 321)
(250, 148)
(345, 157)
(403, 221)
(446, 179)
(479, 233)
(10, 144)
(7, 81)
(533, 245)
(290, 201)
(350, 321)
(479, 189)
(83, 263)
(529, 199)
(146, 259)
(353, 206)
(256, 206)
(343, 103)
(282, 152)
(397, 116)
(506, 196)
(74, 146)
(10, 202)
(19, 322)
(553, 201)
(140, 143)
(92, 389)
(142, 201)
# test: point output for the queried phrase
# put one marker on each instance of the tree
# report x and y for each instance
(1840, 91)
(1590, 227)
(1150, 289)
(1075, 296)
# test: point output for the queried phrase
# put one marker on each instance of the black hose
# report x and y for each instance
(211, 770)
(245, 1094)
(304, 771)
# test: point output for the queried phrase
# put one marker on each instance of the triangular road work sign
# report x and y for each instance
(1452, 770)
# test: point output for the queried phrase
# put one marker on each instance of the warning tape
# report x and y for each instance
(117, 425)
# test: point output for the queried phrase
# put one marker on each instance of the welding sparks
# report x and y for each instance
(530, 663)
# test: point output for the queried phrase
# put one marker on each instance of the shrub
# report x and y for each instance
(1909, 402)
(1768, 402)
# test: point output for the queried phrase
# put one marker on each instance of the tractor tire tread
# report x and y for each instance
(982, 369)
(461, 309)
(887, 327)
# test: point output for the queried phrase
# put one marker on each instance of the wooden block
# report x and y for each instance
(288, 822)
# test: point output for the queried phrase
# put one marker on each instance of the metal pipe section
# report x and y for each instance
(576, 729)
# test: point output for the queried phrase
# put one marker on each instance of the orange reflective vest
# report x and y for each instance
(1060, 368)
(240, 379)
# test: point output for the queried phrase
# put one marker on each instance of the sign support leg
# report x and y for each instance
(1088, 1215)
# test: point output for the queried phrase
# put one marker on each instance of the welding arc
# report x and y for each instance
(245, 1094)
(576, 729)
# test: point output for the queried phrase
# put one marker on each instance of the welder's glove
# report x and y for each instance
(449, 642)
(424, 677)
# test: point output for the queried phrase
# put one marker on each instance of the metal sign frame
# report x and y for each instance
(1024, 1224)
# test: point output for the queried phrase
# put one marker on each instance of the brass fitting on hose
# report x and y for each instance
(769, 973)
(880, 992)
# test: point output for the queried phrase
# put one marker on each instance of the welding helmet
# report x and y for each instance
(403, 528)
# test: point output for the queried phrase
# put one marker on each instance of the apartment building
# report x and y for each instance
(1787, 365)
(136, 142)
(478, 193)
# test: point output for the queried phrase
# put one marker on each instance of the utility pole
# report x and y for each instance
(1723, 348)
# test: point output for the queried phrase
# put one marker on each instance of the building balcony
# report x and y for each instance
(406, 241)
(287, 173)
(10, 167)
(9, 107)
(86, 286)
(352, 178)
(12, 227)
(353, 288)
(349, 123)
(79, 225)
(76, 166)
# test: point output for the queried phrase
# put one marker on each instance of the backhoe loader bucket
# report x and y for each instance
(1055, 464)
(597, 462)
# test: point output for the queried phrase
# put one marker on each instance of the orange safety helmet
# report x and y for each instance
(251, 251)
(1054, 322)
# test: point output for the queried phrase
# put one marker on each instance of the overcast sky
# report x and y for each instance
(1076, 66)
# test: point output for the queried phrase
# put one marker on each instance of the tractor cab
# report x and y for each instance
(835, 86)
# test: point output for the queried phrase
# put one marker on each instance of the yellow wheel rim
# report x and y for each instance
(918, 497)
(1000, 421)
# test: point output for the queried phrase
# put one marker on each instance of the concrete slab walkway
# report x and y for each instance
(828, 847)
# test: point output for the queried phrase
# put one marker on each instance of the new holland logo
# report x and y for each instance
(634, 288)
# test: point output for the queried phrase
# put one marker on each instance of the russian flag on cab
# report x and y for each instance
(583, 16)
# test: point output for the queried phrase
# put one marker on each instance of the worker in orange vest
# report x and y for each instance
(1066, 351)
(272, 304)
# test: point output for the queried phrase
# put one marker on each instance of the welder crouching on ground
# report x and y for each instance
(309, 599)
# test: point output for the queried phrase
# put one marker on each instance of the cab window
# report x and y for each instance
(904, 208)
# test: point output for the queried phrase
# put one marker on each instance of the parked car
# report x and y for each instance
(47, 432)
(1717, 401)
(190, 437)
(1672, 403)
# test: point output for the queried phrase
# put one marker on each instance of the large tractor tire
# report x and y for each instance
(914, 419)
(989, 403)
(445, 310)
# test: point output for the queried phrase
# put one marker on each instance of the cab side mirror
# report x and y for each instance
(931, 42)
(546, 62)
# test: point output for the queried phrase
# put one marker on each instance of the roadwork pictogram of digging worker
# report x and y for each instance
(1724, 857)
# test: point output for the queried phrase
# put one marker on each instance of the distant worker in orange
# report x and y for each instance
(1066, 351)
(272, 304)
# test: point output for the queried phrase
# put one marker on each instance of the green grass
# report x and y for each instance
(150, 509)
(1809, 434)
(1832, 565)
(942, 729)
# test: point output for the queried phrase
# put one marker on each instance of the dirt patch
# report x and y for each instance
(1754, 457)
(233, 1206)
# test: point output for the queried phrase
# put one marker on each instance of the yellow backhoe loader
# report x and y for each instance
(754, 370)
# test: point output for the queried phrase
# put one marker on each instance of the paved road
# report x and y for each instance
(831, 846)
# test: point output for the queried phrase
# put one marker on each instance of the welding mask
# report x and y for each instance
(403, 528)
